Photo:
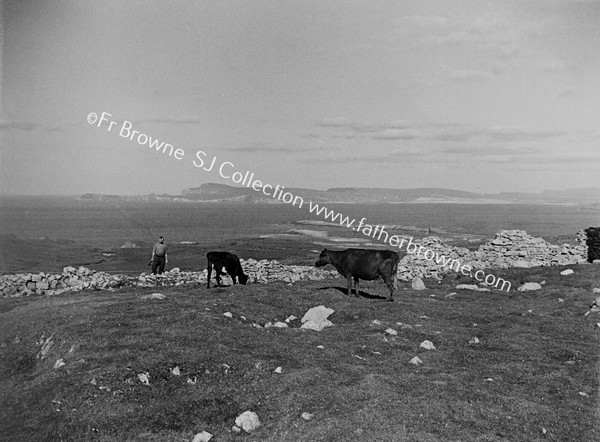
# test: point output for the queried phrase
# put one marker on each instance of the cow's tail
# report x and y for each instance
(395, 271)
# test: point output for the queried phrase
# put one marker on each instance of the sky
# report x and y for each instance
(482, 96)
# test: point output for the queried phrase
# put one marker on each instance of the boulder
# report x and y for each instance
(529, 287)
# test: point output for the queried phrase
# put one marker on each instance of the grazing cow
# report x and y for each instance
(231, 263)
(363, 264)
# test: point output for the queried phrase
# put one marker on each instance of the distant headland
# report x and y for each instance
(213, 192)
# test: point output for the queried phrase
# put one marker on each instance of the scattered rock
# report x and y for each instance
(248, 421)
(415, 361)
(280, 325)
(474, 340)
(278, 370)
(290, 318)
(144, 378)
(203, 436)
(175, 371)
(427, 345)
(154, 296)
(418, 284)
(530, 287)
(307, 416)
(316, 318)
(471, 287)
(391, 331)
(59, 363)
(567, 272)
(228, 314)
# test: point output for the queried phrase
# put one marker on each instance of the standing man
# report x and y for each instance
(159, 256)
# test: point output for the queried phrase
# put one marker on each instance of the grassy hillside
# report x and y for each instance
(534, 374)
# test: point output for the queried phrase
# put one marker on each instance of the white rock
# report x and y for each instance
(204, 436)
(248, 421)
(376, 322)
(474, 341)
(290, 318)
(307, 416)
(280, 325)
(567, 272)
(415, 361)
(418, 284)
(154, 296)
(530, 287)
(278, 370)
(144, 378)
(59, 363)
(391, 331)
(228, 314)
(427, 345)
(176, 371)
(317, 326)
(596, 290)
(316, 318)
(317, 314)
(471, 287)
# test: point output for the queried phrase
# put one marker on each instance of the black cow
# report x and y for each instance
(231, 263)
(363, 264)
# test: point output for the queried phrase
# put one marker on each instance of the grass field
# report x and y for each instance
(534, 375)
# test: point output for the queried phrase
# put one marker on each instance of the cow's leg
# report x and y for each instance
(233, 272)
(349, 279)
(356, 291)
(208, 274)
(390, 285)
(218, 270)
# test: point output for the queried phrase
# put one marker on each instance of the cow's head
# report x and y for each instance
(243, 279)
(323, 259)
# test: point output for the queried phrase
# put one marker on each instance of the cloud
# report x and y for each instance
(396, 130)
(27, 126)
(550, 65)
(468, 74)
(430, 21)
(272, 148)
(180, 120)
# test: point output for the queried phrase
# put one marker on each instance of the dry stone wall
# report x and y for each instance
(509, 248)
(82, 278)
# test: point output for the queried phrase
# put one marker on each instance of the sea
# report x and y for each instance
(109, 224)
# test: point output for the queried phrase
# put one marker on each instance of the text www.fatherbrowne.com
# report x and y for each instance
(228, 171)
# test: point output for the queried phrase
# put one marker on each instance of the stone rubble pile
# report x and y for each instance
(413, 265)
(509, 248)
(76, 279)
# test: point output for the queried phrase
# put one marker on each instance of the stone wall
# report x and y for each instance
(82, 278)
(509, 248)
